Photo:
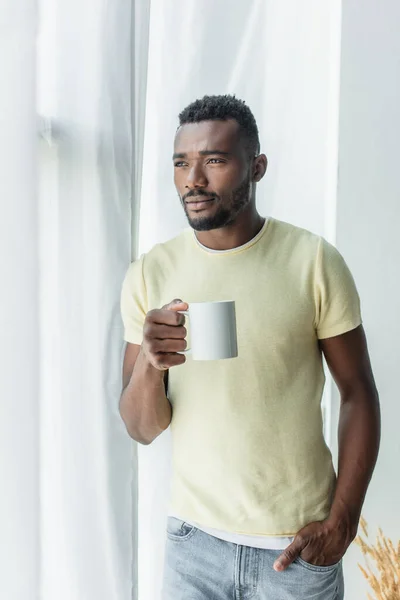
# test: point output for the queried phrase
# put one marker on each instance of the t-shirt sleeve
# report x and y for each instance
(134, 302)
(336, 297)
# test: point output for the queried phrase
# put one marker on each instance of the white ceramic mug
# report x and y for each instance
(213, 334)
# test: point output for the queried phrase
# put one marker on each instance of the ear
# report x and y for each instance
(259, 167)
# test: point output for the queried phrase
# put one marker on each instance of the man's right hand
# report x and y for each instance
(164, 336)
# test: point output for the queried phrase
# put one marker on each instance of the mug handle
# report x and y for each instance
(186, 313)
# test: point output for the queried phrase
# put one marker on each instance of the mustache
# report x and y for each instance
(195, 193)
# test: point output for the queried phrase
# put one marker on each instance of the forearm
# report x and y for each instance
(144, 407)
(359, 438)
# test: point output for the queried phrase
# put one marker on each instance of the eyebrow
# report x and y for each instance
(202, 153)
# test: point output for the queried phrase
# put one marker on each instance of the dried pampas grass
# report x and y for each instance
(385, 578)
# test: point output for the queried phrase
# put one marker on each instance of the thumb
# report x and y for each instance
(176, 304)
(288, 555)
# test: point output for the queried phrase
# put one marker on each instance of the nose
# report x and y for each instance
(196, 178)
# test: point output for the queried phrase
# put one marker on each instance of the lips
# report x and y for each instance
(199, 204)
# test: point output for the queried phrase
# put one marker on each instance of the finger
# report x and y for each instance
(289, 554)
(165, 317)
(168, 346)
(176, 304)
(168, 360)
(165, 332)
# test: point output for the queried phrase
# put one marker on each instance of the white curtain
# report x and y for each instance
(19, 332)
(283, 59)
(70, 114)
(87, 103)
(110, 80)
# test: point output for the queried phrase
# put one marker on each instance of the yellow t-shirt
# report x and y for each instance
(249, 454)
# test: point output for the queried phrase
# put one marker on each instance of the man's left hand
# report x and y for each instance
(321, 543)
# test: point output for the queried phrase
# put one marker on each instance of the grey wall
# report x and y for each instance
(368, 220)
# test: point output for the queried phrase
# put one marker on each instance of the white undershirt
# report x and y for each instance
(266, 542)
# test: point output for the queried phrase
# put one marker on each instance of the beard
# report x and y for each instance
(224, 215)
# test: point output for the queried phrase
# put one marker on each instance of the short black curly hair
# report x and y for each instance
(222, 108)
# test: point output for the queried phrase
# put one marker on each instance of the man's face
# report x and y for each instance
(211, 173)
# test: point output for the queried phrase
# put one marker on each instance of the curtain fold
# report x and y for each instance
(141, 26)
(87, 102)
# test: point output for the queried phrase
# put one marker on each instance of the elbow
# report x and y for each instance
(140, 434)
(146, 436)
(135, 433)
(362, 391)
(143, 439)
(142, 427)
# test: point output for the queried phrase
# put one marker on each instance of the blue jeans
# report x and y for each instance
(199, 566)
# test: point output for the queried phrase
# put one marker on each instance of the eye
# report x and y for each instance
(215, 161)
(180, 163)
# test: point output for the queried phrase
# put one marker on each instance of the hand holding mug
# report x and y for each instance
(164, 335)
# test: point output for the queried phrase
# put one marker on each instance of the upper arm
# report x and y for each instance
(130, 357)
(131, 353)
(133, 312)
(348, 360)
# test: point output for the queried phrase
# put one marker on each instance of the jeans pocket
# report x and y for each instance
(178, 530)
(320, 568)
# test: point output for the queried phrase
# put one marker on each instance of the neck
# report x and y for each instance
(241, 231)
